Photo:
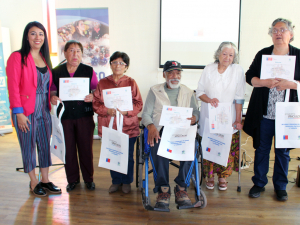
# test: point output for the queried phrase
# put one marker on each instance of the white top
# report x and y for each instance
(226, 87)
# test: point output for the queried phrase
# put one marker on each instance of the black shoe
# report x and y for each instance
(90, 185)
(38, 190)
(51, 187)
(281, 195)
(255, 191)
(71, 186)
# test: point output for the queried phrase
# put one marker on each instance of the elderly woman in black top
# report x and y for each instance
(260, 118)
(77, 120)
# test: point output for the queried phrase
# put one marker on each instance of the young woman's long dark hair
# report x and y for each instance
(25, 49)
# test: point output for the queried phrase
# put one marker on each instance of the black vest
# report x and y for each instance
(74, 109)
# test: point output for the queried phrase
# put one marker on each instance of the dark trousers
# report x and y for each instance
(79, 135)
(120, 178)
(160, 167)
(262, 156)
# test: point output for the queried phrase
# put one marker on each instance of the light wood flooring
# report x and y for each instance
(81, 206)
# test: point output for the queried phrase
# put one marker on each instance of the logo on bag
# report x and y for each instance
(169, 109)
(115, 143)
(119, 163)
(179, 135)
(219, 135)
(213, 126)
(108, 92)
(292, 116)
(285, 137)
(183, 152)
(219, 153)
(298, 137)
(169, 150)
(108, 160)
(66, 81)
(55, 147)
(208, 149)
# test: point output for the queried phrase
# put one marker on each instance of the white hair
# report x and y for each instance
(227, 44)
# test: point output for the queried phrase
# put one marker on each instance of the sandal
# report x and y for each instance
(222, 185)
(210, 184)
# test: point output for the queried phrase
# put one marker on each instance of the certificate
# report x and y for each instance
(172, 116)
(74, 88)
(178, 143)
(215, 147)
(120, 98)
(278, 66)
(220, 118)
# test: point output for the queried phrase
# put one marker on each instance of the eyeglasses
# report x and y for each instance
(281, 30)
(118, 63)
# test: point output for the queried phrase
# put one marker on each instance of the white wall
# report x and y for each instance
(16, 14)
(134, 28)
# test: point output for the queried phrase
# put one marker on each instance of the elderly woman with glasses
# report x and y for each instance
(260, 118)
(119, 63)
(77, 119)
(222, 82)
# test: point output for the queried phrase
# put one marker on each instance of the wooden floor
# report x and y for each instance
(81, 206)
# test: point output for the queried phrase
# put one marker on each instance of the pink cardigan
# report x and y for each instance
(22, 84)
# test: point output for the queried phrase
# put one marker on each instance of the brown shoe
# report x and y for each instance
(163, 198)
(181, 196)
(113, 188)
(126, 188)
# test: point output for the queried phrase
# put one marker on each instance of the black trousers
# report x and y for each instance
(79, 136)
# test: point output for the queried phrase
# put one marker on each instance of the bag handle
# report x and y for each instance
(119, 121)
(287, 92)
(55, 107)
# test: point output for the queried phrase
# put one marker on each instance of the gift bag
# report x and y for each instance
(215, 147)
(287, 123)
(58, 147)
(114, 147)
(178, 143)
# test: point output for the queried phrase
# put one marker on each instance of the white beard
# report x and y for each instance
(173, 86)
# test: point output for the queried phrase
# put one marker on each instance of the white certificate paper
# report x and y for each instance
(178, 143)
(73, 89)
(120, 98)
(172, 116)
(215, 147)
(220, 118)
(278, 66)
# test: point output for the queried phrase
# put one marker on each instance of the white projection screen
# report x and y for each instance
(192, 30)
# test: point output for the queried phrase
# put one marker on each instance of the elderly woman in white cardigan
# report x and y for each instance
(220, 82)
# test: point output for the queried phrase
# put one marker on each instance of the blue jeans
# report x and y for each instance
(120, 178)
(262, 156)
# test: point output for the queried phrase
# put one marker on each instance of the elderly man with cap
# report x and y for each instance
(170, 93)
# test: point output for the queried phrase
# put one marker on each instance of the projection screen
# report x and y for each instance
(192, 30)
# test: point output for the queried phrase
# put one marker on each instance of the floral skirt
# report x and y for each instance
(209, 168)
